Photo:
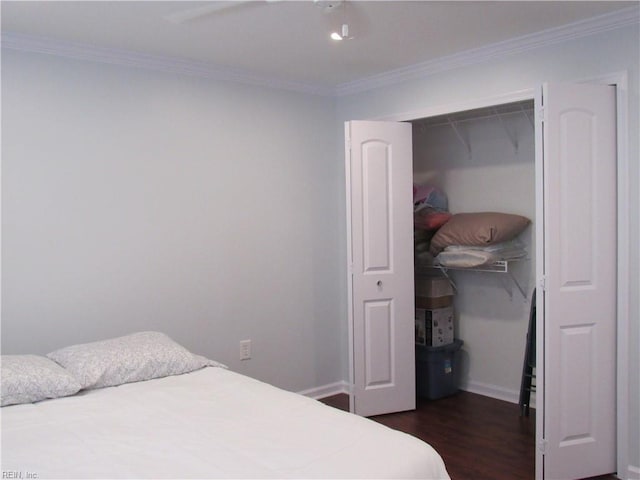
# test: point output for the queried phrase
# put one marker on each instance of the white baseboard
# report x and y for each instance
(326, 390)
(480, 388)
(494, 391)
(633, 473)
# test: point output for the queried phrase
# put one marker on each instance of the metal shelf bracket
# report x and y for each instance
(501, 266)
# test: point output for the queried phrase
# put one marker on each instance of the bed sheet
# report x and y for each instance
(212, 423)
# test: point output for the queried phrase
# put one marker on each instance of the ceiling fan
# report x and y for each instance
(220, 6)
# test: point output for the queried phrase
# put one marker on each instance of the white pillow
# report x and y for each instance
(31, 378)
(132, 358)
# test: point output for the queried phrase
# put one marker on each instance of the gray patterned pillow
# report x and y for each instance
(31, 378)
(132, 358)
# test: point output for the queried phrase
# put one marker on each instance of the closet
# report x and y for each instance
(567, 187)
(483, 160)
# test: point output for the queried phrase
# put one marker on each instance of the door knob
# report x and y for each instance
(379, 283)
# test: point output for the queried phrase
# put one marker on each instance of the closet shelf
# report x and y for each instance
(501, 266)
(499, 112)
(523, 108)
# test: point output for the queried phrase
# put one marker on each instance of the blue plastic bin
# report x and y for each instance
(437, 373)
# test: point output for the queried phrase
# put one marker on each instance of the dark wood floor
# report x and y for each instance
(478, 437)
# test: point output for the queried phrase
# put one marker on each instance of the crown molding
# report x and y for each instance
(619, 19)
(127, 58)
(80, 51)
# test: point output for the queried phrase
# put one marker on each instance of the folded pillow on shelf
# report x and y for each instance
(478, 229)
(428, 196)
(430, 219)
(465, 258)
(461, 256)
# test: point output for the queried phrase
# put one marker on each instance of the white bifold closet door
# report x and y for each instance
(577, 364)
(379, 168)
(576, 271)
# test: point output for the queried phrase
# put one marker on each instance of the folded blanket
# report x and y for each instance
(465, 258)
(461, 256)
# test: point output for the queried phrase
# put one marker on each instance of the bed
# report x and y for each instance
(146, 421)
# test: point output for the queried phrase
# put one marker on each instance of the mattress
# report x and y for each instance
(211, 423)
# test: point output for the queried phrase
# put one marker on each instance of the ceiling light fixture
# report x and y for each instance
(343, 32)
(343, 35)
(327, 5)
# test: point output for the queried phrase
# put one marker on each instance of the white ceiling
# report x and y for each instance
(289, 40)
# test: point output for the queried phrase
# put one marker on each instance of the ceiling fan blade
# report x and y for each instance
(184, 16)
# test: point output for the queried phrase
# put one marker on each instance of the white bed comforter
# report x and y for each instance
(212, 423)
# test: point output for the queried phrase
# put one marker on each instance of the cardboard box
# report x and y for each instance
(434, 302)
(434, 327)
(432, 286)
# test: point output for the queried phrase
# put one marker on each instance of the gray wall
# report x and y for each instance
(135, 200)
(573, 60)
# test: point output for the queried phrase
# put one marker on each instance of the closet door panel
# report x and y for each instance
(376, 159)
(576, 182)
